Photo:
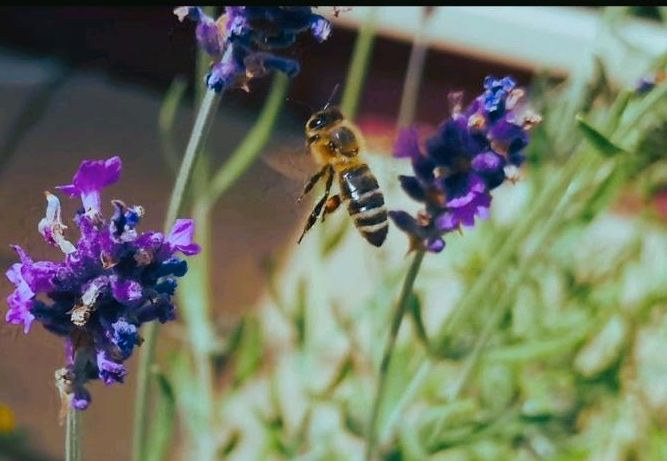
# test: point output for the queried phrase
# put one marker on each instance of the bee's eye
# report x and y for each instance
(315, 123)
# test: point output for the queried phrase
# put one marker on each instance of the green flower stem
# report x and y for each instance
(195, 289)
(411, 390)
(200, 131)
(72, 435)
(397, 319)
(253, 143)
(195, 297)
(356, 75)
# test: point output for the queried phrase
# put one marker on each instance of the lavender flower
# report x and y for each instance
(241, 41)
(108, 284)
(647, 83)
(471, 154)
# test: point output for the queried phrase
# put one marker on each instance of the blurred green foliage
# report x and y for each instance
(558, 355)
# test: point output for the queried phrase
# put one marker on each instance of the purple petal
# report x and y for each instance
(435, 245)
(461, 189)
(487, 162)
(424, 168)
(125, 336)
(110, 371)
(507, 137)
(149, 241)
(21, 300)
(162, 310)
(412, 187)
(91, 177)
(237, 23)
(208, 35)
(321, 28)
(490, 166)
(407, 144)
(447, 222)
(406, 223)
(126, 291)
(81, 398)
(227, 72)
(38, 275)
(181, 237)
(465, 215)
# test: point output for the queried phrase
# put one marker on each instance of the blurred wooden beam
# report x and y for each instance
(555, 38)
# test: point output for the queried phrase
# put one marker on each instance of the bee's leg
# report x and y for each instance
(312, 219)
(311, 182)
(331, 205)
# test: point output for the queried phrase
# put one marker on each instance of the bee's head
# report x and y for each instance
(323, 119)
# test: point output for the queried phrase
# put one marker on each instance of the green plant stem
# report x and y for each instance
(397, 319)
(167, 118)
(200, 131)
(413, 75)
(195, 297)
(72, 435)
(356, 74)
(253, 143)
(31, 113)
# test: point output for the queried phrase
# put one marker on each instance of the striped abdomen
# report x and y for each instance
(365, 203)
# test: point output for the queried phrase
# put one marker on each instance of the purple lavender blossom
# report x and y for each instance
(108, 284)
(468, 157)
(241, 42)
(647, 83)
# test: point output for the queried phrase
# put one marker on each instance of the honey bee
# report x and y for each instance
(335, 144)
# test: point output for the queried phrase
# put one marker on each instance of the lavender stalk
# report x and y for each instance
(200, 132)
(72, 436)
(399, 313)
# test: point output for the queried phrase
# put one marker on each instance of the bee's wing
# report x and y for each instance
(291, 158)
(287, 153)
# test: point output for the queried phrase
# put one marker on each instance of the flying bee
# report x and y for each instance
(335, 144)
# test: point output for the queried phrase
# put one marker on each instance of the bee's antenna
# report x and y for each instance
(331, 98)
(301, 103)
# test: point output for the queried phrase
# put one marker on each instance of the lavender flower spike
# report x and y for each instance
(469, 156)
(107, 285)
(243, 41)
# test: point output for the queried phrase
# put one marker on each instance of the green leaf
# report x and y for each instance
(415, 309)
(269, 265)
(300, 309)
(618, 109)
(331, 240)
(229, 446)
(599, 141)
(160, 436)
(249, 353)
(352, 422)
(343, 371)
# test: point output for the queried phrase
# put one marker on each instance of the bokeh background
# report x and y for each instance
(88, 82)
